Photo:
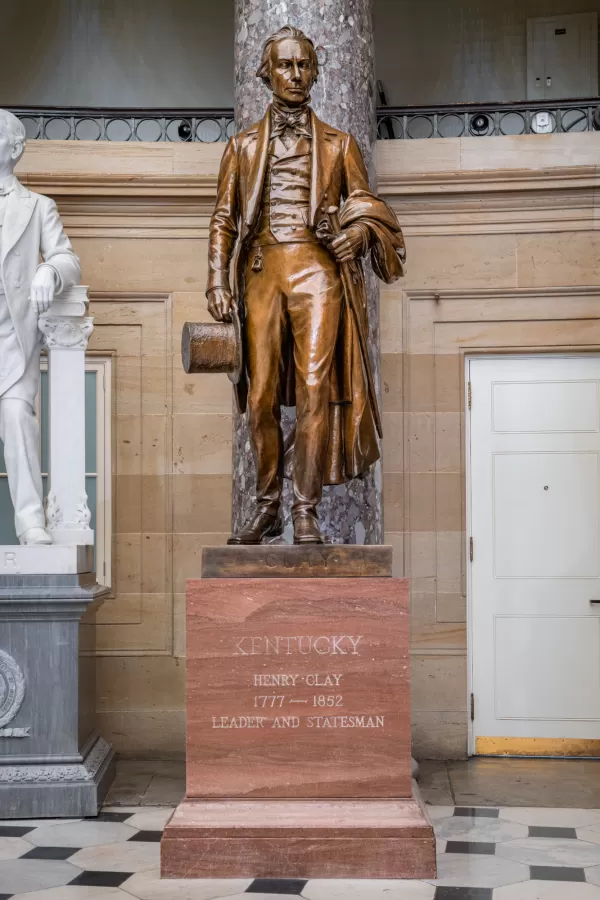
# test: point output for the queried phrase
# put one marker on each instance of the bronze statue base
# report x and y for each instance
(297, 561)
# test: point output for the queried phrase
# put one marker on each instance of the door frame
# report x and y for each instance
(469, 356)
(468, 522)
(530, 77)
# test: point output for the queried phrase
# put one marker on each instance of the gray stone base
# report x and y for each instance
(53, 763)
(57, 790)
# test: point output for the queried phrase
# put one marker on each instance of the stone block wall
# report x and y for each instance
(502, 237)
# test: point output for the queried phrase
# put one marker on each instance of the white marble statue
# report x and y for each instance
(30, 228)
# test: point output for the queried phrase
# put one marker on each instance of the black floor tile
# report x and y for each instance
(477, 812)
(149, 836)
(556, 873)
(471, 847)
(50, 853)
(111, 817)
(277, 886)
(14, 831)
(551, 832)
(101, 879)
(462, 893)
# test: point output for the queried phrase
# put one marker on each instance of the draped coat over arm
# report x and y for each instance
(32, 228)
(338, 178)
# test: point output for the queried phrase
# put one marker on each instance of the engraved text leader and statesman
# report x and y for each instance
(299, 289)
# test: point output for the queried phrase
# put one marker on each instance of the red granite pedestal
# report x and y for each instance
(298, 733)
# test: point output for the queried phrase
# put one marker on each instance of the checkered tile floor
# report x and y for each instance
(484, 854)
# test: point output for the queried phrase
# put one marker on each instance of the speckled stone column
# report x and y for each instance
(344, 96)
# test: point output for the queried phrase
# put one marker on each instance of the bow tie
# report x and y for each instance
(295, 120)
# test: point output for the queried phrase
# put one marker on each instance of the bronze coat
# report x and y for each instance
(338, 174)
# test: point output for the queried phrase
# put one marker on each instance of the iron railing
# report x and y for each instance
(488, 119)
(88, 124)
(393, 123)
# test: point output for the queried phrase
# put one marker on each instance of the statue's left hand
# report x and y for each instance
(348, 244)
(42, 289)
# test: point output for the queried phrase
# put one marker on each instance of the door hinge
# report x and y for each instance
(469, 395)
(472, 707)
(471, 549)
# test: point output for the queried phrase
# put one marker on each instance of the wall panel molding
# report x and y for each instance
(441, 187)
(135, 328)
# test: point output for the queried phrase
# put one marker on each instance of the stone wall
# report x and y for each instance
(503, 241)
(147, 53)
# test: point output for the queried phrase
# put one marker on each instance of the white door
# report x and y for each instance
(562, 57)
(534, 486)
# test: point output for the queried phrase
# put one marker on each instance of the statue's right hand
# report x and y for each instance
(220, 301)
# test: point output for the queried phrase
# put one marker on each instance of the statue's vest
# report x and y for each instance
(286, 195)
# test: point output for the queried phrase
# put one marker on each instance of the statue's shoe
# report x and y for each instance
(306, 529)
(35, 535)
(262, 525)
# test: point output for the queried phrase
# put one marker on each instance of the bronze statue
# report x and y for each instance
(298, 290)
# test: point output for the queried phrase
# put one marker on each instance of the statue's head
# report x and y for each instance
(12, 140)
(289, 65)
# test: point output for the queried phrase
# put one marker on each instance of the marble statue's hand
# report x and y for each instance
(348, 244)
(220, 302)
(42, 289)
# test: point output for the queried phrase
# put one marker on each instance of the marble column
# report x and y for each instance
(66, 329)
(344, 96)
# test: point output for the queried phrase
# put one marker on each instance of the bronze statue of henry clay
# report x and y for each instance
(298, 289)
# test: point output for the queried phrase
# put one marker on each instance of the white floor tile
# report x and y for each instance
(258, 897)
(465, 828)
(439, 812)
(75, 892)
(550, 852)
(21, 875)
(591, 835)
(464, 870)
(33, 823)
(548, 890)
(13, 848)
(151, 819)
(81, 834)
(135, 856)
(593, 875)
(354, 889)
(134, 810)
(556, 818)
(148, 886)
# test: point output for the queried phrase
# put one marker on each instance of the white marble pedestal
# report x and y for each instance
(57, 559)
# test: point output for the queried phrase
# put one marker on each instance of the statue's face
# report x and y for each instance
(9, 151)
(291, 73)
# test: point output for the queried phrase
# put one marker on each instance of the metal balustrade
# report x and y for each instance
(393, 123)
(488, 119)
(205, 126)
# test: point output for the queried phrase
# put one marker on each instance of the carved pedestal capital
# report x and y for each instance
(66, 332)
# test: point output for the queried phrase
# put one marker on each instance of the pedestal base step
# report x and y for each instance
(57, 790)
(297, 561)
(51, 559)
(298, 839)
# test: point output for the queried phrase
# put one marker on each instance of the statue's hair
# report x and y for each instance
(288, 31)
(15, 128)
